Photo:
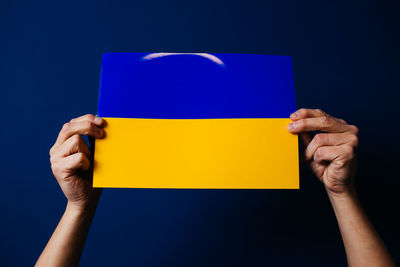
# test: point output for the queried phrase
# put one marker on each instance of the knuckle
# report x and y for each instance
(77, 162)
(325, 121)
(75, 139)
(341, 163)
(319, 153)
(320, 138)
(354, 129)
(89, 126)
(51, 151)
(90, 117)
(81, 160)
(68, 165)
(55, 167)
(52, 160)
(66, 126)
(320, 111)
(73, 145)
(354, 140)
(349, 152)
(80, 156)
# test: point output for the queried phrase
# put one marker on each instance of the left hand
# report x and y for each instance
(71, 162)
(330, 153)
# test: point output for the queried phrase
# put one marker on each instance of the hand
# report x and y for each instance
(70, 159)
(330, 153)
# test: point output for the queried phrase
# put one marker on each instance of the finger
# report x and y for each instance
(332, 153)
(81, 128)
(318, 168)
(329, 139)
(306, 113)
(324, 123)
(92, 118)
(77, 161)
(72, 145)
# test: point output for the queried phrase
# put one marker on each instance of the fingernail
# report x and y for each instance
(294, 115)
(98, 120)
(99, 132)
(291, 126)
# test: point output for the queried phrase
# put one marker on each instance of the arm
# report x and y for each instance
(362, 243)
(331, 156)
(70, 162)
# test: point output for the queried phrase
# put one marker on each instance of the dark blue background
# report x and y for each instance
(346, 61)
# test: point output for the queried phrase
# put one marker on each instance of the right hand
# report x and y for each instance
(331, 153)
(70, 160)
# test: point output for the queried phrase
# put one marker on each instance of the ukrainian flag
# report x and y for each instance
(196, 120)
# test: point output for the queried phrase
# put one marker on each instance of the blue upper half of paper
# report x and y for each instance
(188, 86)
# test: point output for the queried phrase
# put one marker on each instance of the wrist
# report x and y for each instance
(80, 209)
(343, 197)
(348, 192)
(85, 205)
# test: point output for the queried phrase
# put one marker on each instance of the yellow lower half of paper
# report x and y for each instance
(197, 153)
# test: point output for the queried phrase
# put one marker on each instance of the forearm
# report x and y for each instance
(362, 243)
(66, 244)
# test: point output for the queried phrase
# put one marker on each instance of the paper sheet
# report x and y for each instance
(196, 121)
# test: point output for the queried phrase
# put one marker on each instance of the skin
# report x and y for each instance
(331, 155)
(71, 165)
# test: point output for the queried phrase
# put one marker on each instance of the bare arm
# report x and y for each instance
(331, 156)
(66, 244)
(362, 243)
(70, 161)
